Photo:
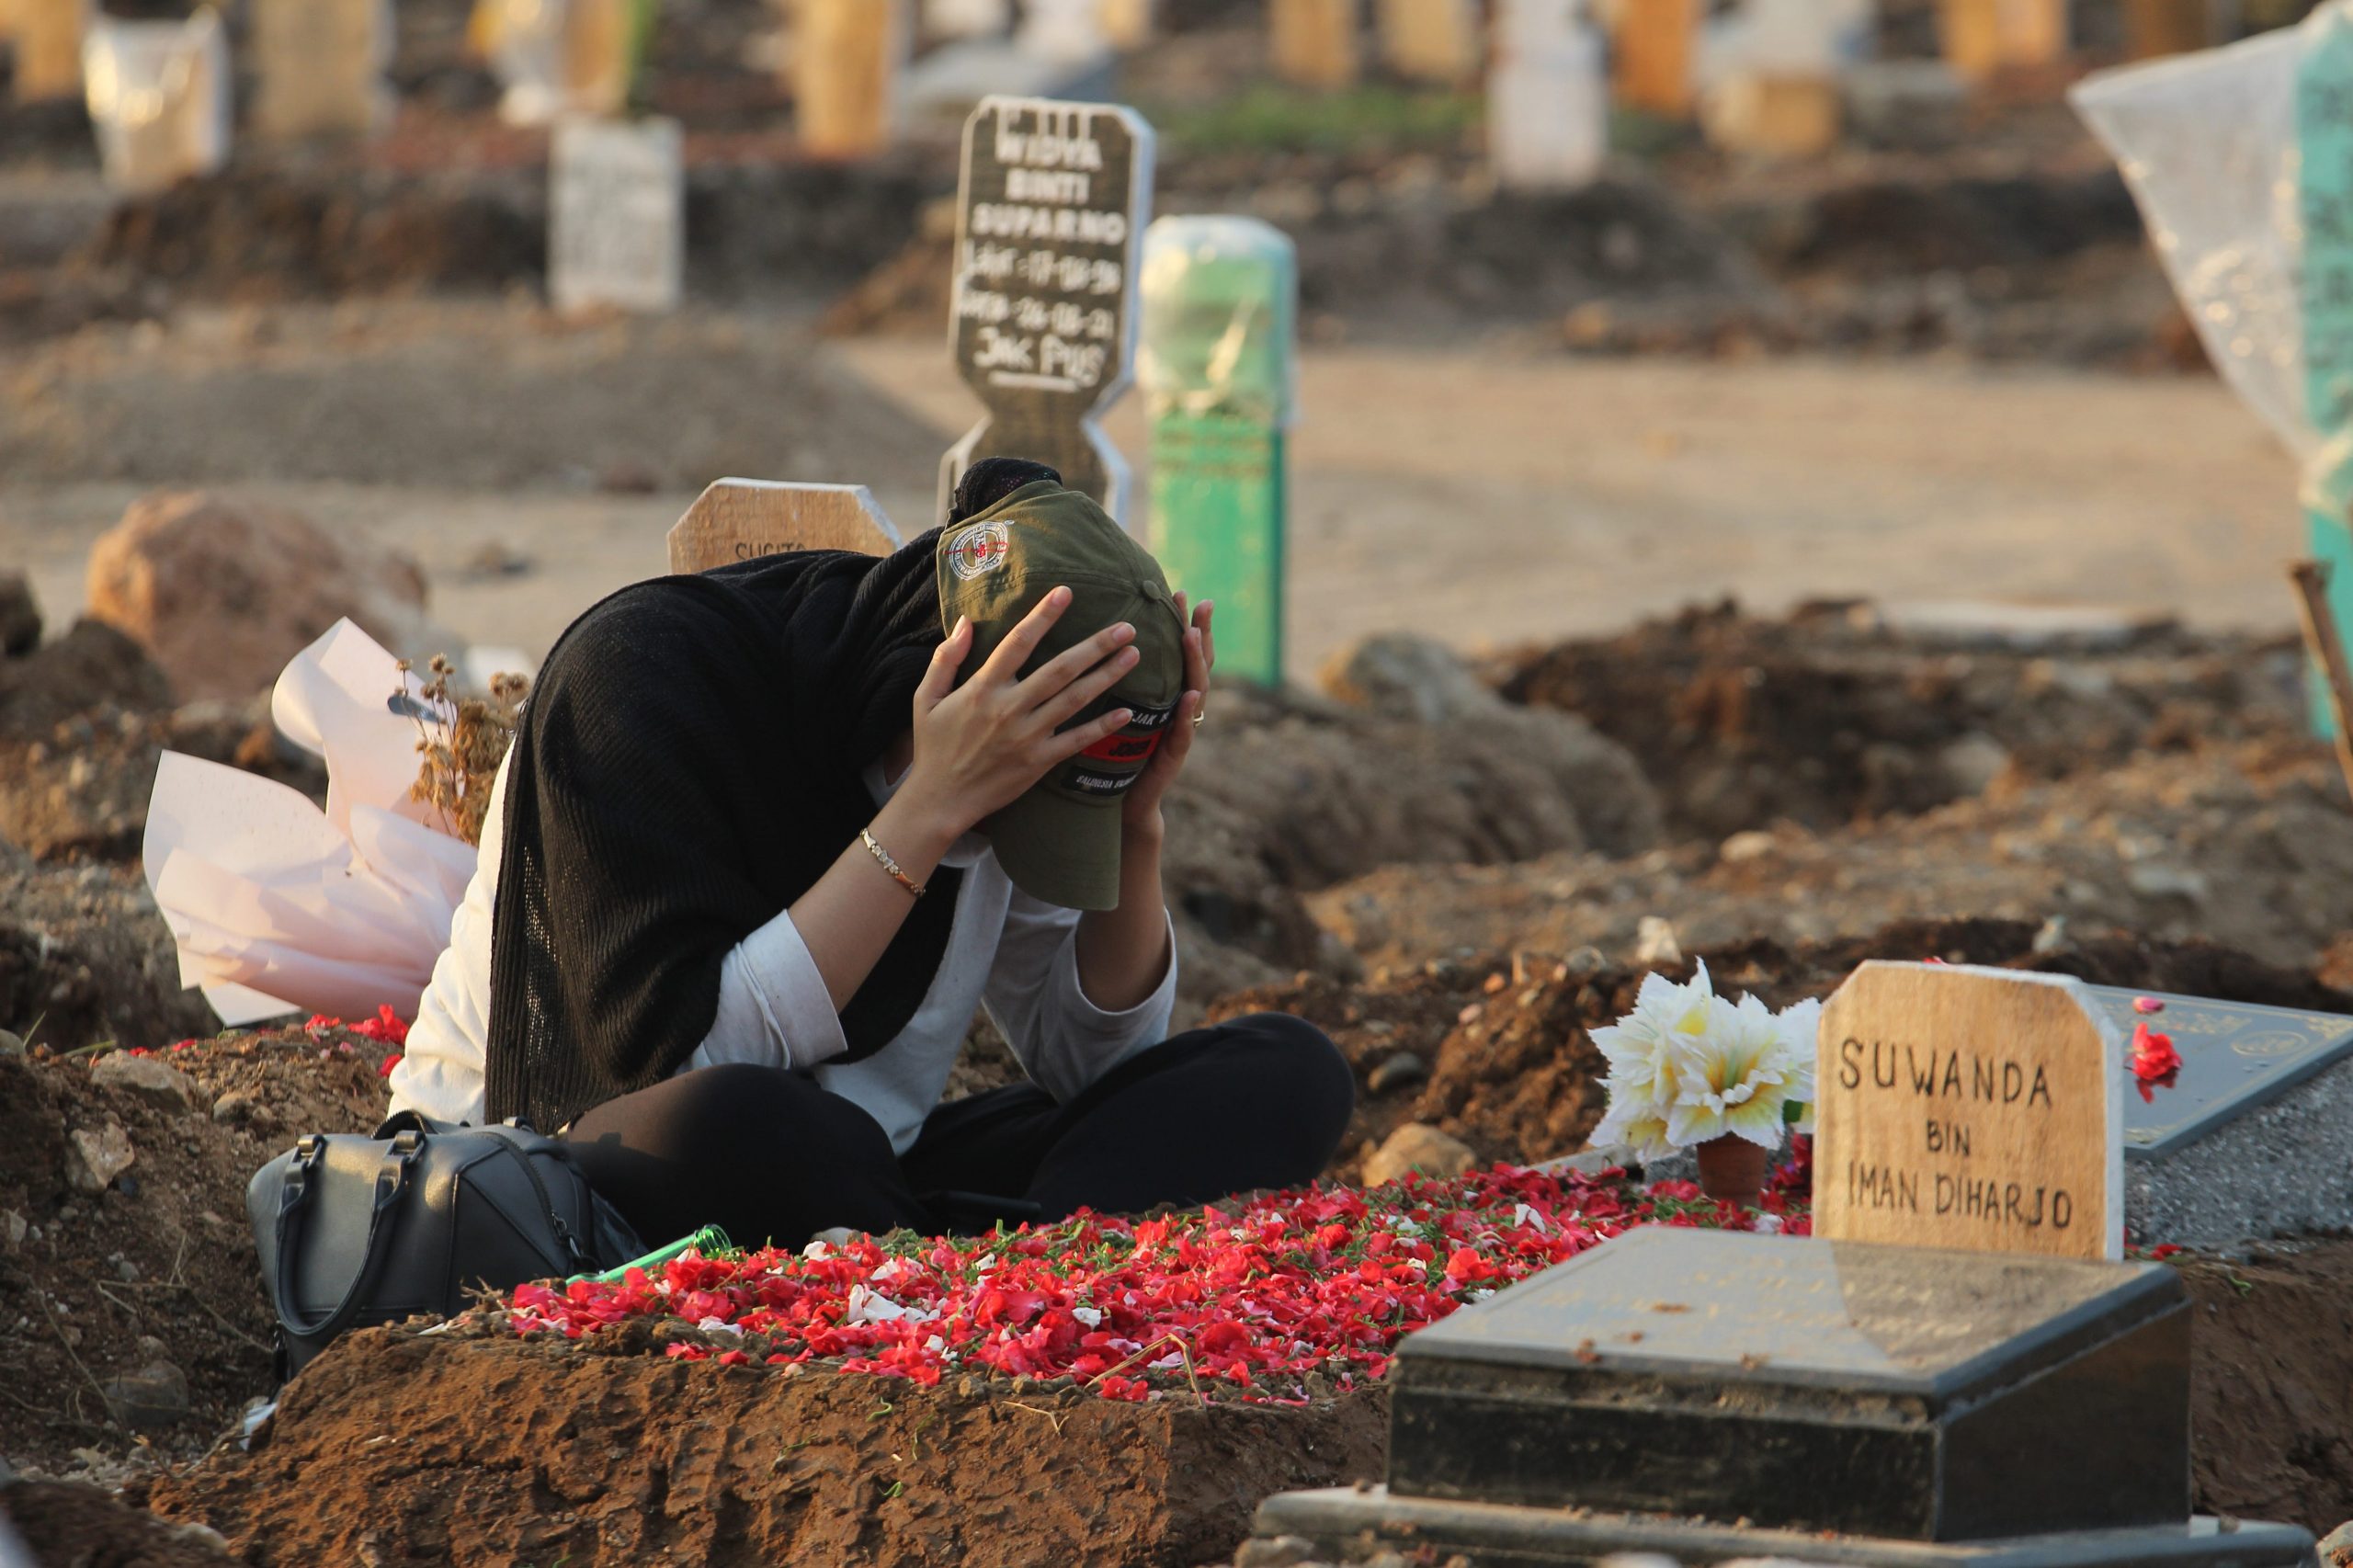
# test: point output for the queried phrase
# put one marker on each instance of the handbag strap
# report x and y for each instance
(576, 1255)
(391, 1180)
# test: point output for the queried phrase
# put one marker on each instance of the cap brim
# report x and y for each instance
(1065, 852)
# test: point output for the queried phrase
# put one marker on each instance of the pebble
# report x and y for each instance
(13, 1230)
(154, 1081)
(1742, 847)
(95, 1158)
(1656, 943)
(1401, 1071)
(1417, 1146)
(127, 1271)
(237, 1108)
(1585, 963)
(155, 1395)
(11, 1044)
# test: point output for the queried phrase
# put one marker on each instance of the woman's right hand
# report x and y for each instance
(978, 747)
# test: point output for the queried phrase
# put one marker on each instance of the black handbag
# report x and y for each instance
(355, 1231)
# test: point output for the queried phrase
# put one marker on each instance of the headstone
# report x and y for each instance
(2253, 1139)
(616, 214)
(1127, 23)
(158, 94)
(318, 67)
(1765, 115)
(597, 56)
(1969, 1107)
(744, 519)
(1547, 100)
(1218, 363)
(48, 37)
(1431, 40)
(1314, 43)
(1068, 32)
(1707, 1395)
(2155, 27)
(1659, 43)
(847, 56)
(1049, 216)
(967, 19)
(1981, 38)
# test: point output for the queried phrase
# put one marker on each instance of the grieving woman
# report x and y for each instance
(769, 836)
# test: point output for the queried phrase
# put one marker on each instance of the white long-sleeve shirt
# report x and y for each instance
(1009, 953)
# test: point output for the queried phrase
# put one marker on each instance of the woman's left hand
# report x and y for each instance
(1140, 807)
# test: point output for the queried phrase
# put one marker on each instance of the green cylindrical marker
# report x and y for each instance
(1218, 363)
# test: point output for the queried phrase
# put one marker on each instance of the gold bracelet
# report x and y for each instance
(914, 889)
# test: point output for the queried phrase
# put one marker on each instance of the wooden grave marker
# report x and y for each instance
(1982, 38)
(617, 220)
(744, 519)
(48, 38)
(1049, 217)
(1314, 43)
(1431, 40)
(1978, 1109)
(845, 61)
(318, 67)
(1658, 42)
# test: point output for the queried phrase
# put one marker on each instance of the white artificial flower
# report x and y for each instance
(1736, 1078)
(1640, 1047)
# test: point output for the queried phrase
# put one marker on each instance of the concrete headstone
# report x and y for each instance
(1315, 42)
(616, 217)
(967, 19)
(1548, 98)
(846, 59)
(1969, 1107)
(744, 519)
(1050, 218)
(158, 93)
(1068, 32)
(319, 66)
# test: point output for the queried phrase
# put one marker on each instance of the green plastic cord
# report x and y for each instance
(711, 1241)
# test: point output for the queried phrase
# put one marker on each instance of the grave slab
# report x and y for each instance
(1895, 1392)
(2255, 1140)
(1348, 1526)
(743, 519)
(1049, 217)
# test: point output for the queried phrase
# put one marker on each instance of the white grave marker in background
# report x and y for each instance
(617, 214)
(1548, 96)
(158, 97)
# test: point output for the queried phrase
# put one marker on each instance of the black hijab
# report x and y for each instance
(690, 761)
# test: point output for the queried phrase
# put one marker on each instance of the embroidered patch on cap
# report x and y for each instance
(979, 551)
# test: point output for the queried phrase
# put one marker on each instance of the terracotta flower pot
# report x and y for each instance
(1733, 1168)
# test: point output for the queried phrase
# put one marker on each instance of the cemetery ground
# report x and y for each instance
(1449, 865)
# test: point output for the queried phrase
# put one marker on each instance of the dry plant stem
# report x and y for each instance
(2322, 639)
(67, 1346)
(463, 750)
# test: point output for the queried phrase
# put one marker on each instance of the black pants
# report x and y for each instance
(1255, 1102)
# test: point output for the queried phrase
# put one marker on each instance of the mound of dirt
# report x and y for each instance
(538, 1454)
(93, 666)
(1506, 1041)
(151, 1281)
(1832, 713)
(1289, 793)
(70, 1522)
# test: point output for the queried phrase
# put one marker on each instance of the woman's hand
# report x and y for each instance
(978, 746)
(1139, 807)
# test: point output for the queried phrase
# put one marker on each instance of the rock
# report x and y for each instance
(155, 1395)
(2166, 882)
(1417, 1146)
(222, 592)
(1583, 963)
(11, 1044)
(238, 1107)
(152, 1081)
(19, 615)
(1971, 763)
(1407, 677)
(2336, 1546)
(1280, 1551)
(1655, 944)
(95, 1159)
(92, 666)
(2052, 935)
(13, 1230)
(1593, 1161)
(1742, 847)
(1402, 1071)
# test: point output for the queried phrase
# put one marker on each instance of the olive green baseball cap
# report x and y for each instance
(1060, 841)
